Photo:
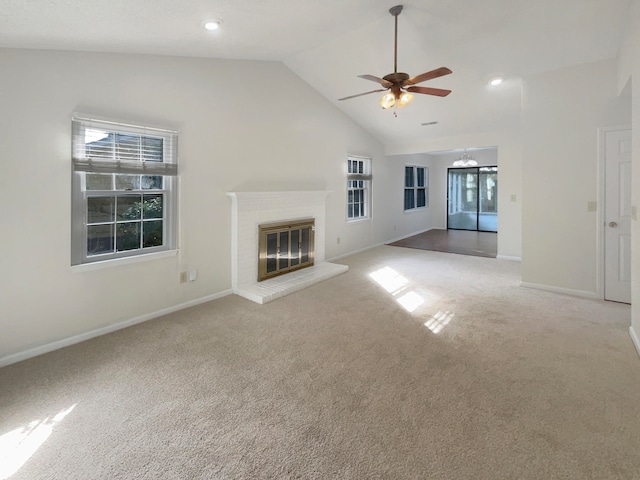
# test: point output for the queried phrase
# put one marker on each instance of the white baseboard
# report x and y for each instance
(353, 252)
(66, 342)
(564, 291)
(507, 257)
(634, 338)
(407, 236)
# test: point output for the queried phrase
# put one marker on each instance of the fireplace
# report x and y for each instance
(250, 211)
(284, 247)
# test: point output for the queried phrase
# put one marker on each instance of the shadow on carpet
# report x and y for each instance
(479, 244)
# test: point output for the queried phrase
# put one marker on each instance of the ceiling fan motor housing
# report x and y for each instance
(396, 77)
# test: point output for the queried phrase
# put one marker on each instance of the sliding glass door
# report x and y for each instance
(472, 199)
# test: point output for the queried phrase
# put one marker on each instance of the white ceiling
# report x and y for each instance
(328, 43)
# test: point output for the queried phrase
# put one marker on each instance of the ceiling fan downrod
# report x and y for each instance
(395, 11)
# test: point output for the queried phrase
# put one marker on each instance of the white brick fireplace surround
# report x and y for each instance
(250, 209)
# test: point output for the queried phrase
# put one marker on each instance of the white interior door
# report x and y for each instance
(617, 237)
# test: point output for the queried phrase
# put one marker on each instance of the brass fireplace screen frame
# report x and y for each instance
(285, 247)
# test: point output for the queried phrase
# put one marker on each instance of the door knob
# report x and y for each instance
(613, 224)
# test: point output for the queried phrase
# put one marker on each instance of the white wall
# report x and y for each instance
(561, 113)
(629, 71)
(243, 126)
(409, 222)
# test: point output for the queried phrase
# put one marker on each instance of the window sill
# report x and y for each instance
(358, 220)
(415, 210)
(87, 267)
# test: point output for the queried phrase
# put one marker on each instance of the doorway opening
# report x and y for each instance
(472, 199)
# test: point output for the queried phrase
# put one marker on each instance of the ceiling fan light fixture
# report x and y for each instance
(404, 99)
(388, 100)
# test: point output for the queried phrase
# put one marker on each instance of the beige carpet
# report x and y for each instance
(341, 381)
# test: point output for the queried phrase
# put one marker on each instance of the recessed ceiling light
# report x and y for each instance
(495, 81)
(212, 25)
(426, 124)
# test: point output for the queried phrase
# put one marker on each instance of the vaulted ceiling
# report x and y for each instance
(328, 44)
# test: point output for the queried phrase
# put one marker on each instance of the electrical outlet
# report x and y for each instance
(513, 197)
(634, 212)
(592, 206)
(193, 275)
(338, 240)
(183, 277)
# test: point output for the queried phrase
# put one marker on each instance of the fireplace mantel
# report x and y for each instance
(248, 211)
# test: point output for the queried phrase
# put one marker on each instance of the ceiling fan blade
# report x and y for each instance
(361, 94)
(423, 77)
(439, 92)
(381, 81)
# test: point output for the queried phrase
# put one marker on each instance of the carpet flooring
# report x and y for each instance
(412, 365)
(464, 242)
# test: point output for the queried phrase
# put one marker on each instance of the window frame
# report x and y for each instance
(358, 181)
(412, 191)
(113, 165)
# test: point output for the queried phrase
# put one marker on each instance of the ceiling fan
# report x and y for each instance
(399, 84)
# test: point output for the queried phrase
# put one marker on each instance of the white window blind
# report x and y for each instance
(108, 147)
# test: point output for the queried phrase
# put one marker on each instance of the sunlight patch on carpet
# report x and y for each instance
(389, 279)
(17, 446)
(439, 321)
(411, 297)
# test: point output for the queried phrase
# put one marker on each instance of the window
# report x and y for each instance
(416, 181)
(358, 187)
(124, 190)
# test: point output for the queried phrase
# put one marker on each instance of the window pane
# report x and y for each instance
(422, 198)
(127, 182)
(99, 181)
(152, 206)
(152, 233)
(349, 166)
(100, 209)
(128, 147)
(129, 207)
(127, 236)
(152, 149)
(151, 182)
(409, 200)
(350, 211)
(408, 176)
(420, 176)
(99, 239)
(98, 143)
(361, 166)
